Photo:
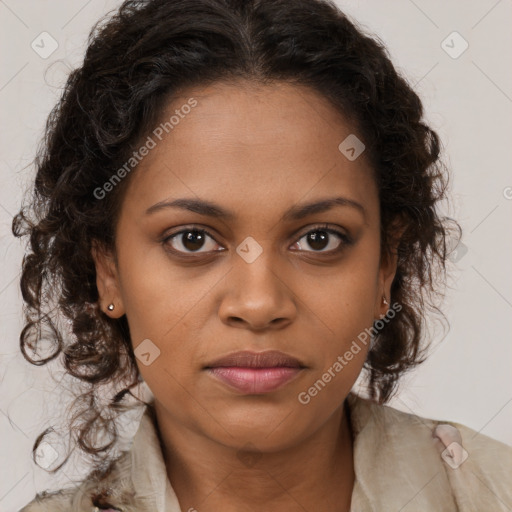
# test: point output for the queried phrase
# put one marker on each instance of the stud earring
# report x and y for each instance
(386, 303)
(110, 307)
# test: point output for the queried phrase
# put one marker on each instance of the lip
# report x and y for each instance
(248, 359)
(254, 381)
(255, 372)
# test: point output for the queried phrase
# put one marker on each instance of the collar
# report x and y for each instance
(149, 474)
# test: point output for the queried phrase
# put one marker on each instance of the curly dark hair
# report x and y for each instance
(140, 57)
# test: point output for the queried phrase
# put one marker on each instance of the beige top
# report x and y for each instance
(402, 463)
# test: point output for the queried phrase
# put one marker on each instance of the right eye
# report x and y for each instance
(190, 241)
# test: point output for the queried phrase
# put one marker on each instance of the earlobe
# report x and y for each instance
(107, 281)
(387, 272)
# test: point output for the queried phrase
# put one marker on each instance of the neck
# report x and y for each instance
(316, 474)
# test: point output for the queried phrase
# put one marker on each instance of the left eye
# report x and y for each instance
(321, 240)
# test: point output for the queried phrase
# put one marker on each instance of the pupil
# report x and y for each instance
(318, 239)
(193, 240)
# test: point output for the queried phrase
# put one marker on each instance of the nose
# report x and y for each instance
(256, 296)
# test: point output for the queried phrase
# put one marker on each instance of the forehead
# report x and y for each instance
(253, 117)
(246, 144)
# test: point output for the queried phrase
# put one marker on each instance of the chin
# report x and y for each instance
(265, 433)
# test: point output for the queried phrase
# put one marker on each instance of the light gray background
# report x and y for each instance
(467, 99)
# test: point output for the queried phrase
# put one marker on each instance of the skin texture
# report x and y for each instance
(256, 151)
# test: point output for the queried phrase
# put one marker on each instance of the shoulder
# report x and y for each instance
(118, 484)
(444, 435)
(468, 465)
(58, 501)
(110, 486)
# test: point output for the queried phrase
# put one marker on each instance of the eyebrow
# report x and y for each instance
(296, 212)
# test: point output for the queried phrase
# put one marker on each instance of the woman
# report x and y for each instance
(237, 204)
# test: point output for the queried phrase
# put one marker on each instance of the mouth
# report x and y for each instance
(255, 372)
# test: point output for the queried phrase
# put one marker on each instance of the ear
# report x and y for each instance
(387, 270)
(107, 280)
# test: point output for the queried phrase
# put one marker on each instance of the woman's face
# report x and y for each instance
(265, 275)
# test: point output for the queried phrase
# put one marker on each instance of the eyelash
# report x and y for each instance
(345, 240)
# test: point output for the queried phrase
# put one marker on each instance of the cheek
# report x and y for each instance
(166, 306)
(343, 339)
(155, 292)
(345, 305)
(344, 297)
